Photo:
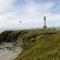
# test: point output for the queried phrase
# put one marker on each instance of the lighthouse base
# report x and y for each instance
(44, 26)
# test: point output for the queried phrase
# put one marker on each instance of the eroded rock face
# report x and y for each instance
(6, 54)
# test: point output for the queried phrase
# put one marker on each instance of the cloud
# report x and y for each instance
(4, 3)
(30, 11)
(34, 12)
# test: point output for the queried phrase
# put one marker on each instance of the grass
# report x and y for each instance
(40, 51)
(46, 46)
(43, 44)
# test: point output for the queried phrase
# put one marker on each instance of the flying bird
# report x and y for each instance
(20, 21)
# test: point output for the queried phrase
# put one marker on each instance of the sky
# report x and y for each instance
(31, 12)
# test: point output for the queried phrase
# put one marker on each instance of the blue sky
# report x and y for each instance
(31, 13)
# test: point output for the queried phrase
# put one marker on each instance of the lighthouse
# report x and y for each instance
(45, 26)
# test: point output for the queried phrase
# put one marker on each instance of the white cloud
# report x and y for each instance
(31, 13)
(55, 17)
(3, 2)
(4, 6)
(34, 12)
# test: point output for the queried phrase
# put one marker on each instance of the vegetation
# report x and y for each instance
(38, 44)
(46, 46)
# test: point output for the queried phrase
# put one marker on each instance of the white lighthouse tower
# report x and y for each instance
(45, 26)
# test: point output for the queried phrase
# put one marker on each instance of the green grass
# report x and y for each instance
(44, 50)
(46, 46)
(43, 44)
